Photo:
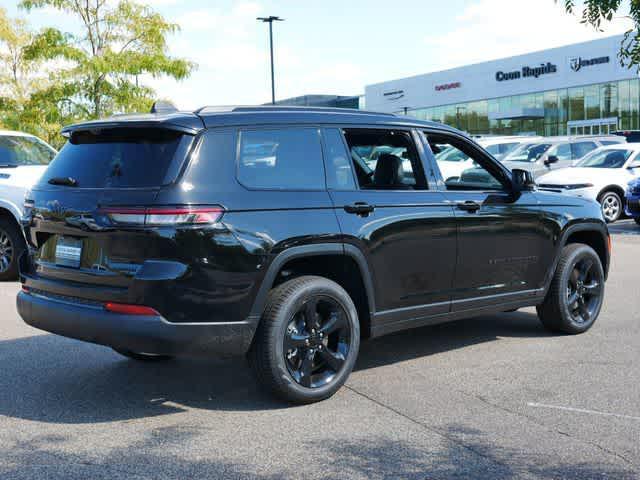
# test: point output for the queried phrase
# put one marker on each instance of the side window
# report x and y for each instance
(385, 159)
(562, 151)
(580, 149)
(463, 176)
(337, 163)
(283, 159)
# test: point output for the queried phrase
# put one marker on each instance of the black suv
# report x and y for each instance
(291, 234)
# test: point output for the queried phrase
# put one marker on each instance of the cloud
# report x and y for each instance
(491, 29)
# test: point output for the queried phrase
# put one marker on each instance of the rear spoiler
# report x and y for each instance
(186, 123)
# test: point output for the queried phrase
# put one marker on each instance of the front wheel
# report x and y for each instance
(575, 296)
(611, 204)
(307, 341)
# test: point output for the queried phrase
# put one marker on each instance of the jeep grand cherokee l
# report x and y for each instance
(265, 231)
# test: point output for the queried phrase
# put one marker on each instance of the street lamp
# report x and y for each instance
(270, 21)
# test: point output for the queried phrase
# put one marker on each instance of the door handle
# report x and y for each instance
(359, 208)
(468, 206)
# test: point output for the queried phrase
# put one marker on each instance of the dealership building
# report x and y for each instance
(572, 90)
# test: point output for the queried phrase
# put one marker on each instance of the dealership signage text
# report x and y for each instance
(526, 72)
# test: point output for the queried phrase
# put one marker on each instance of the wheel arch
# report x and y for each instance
(595, 235)
(342, 263)
(615, 188)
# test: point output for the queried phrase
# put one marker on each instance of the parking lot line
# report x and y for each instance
(582, 410)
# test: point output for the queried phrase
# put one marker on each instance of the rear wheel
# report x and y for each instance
(143, 357)
(307, 341)
(611, 204)
(575, 296)
(12, 245)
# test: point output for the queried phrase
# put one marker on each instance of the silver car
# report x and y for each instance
(551, 153)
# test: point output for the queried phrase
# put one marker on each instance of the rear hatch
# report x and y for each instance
(85, 218)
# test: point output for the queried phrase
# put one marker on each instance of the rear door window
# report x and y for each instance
(281, 159)
(16, 151)
(119, 158)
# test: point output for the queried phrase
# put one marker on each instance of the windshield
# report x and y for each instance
(605, 159)
(133, 158)
(17, 151)
(528, 152)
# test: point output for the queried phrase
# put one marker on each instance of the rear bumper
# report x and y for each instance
(143, 334)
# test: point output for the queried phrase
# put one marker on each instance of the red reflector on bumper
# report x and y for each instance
(130, 309)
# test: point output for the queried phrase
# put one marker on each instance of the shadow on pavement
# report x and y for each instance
(168, 452)
(53, 379)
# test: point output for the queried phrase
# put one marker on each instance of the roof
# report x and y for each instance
(209, 117)
(15, 133)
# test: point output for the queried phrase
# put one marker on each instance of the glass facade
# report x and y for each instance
(597, 109)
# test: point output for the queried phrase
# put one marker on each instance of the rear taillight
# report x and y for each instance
(163, 216)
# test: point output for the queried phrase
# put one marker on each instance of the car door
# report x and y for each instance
(402, 224)
(500, 236)
(562, 152)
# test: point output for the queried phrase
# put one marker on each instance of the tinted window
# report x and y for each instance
(580, 149)
(288, 159)
(119, 158)
(385, 159)
(339, 172)
(16, 151)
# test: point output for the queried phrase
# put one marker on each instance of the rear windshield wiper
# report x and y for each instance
(66, 181)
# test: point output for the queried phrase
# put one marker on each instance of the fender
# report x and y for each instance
(12, 208)
(312, 251)
(562, 242)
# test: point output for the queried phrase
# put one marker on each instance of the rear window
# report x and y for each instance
(17, 151)
(283, 159)
(119, 158)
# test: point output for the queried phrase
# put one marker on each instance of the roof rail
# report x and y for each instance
(283, 108)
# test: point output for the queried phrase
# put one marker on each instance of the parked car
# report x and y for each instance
(23, 158)
(632, 136)
(555, 152)
(453, 162)
(162, 235)
(632, 200)
(603, 175)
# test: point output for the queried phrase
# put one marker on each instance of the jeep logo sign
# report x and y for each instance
(576, 63)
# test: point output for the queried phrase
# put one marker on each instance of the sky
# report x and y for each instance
(339, 46)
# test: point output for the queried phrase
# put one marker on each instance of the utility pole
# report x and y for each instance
(270, 21)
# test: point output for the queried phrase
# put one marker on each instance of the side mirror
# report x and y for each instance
(551, 159)
(522, 180)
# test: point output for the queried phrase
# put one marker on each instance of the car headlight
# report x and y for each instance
(576, 186)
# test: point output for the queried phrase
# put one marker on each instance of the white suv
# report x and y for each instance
(23, 159)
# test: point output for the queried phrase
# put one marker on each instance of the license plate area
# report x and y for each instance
(68, 252)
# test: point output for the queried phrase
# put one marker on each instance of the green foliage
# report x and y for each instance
(594, 12)
(91, 74)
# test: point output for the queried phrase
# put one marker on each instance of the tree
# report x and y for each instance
(100, 69)
(594, 12)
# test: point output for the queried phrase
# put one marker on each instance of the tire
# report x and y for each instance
(327, 358)
(574, 299)
(612, 206)
(637, 220)
(12, 245)
(143, 357)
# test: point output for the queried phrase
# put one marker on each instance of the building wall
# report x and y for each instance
(534, 93)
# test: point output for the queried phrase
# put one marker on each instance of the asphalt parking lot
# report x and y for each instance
(494, 397)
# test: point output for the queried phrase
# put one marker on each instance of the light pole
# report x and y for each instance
(270, 21)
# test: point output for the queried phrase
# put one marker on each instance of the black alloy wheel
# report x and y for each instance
(317, 341)
(307, 341)
(584, 291)
(576, 293)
